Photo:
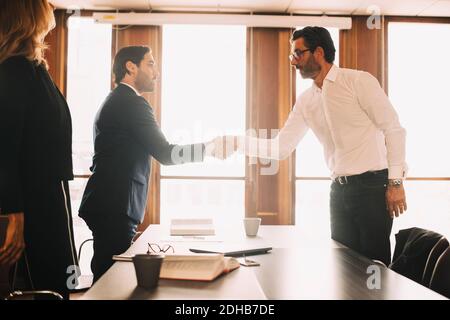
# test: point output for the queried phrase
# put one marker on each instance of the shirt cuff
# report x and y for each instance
(397, 172)
(241, 144)
(209, 149)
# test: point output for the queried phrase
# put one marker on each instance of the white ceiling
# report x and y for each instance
(438, 8)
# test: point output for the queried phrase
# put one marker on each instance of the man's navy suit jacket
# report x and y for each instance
(126, 136)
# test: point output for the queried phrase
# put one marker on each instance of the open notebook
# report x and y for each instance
(201, 267)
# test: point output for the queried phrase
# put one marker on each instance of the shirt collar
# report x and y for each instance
(332, 73)
(130, 86)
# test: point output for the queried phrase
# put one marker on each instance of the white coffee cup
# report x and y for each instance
(251, 226)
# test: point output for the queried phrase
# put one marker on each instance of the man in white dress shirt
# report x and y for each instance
(363, 141)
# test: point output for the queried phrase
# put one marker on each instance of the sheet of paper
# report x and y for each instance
(192, 239)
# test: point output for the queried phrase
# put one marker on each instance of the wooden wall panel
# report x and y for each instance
(269, 101)
(56, 55)
(363, 48)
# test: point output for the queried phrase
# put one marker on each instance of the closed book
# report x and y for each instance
(192, 227)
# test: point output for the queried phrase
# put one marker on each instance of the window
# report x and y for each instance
(418, 89)
(312, 196)
(89, 50)
(88, 83)
(203, 96)
(222, 200)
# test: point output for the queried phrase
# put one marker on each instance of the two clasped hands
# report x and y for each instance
(222, 147)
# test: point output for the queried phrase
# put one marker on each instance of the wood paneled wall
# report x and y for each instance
(56, 55)
(270, 80)
(363, 48)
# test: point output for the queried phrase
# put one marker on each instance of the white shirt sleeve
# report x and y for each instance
(379, 109)
(280, 146)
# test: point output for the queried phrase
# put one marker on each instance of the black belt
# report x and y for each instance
(349, 179)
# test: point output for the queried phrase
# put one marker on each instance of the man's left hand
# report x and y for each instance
(395, 200)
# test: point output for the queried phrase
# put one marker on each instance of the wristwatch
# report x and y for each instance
(395, 182)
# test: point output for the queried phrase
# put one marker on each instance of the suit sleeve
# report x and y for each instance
(13, 103)
(148, 133)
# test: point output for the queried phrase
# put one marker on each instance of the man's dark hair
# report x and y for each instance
(317, 37)
(134, 54)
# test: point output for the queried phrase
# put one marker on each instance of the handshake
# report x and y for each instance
(221, 147)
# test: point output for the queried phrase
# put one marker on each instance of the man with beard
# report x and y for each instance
(126, 136)
(363, 141)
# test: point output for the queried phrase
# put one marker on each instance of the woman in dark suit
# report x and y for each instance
(35, 151)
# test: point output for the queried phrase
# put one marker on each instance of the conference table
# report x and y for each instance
(300, 266)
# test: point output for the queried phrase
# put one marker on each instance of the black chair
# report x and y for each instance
(435, 253)
(9, 275)
(136, 236)
(34, 295)
(85, 281)
(13, 279)
(412, 249)
(381, 263)
(440, 280)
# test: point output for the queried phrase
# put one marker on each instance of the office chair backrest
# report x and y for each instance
(435, 253)
(412, 248)
(440, 280)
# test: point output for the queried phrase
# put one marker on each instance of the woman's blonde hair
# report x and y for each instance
(23, 27)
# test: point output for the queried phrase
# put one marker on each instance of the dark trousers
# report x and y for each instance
(359, 218)
(112, 235)
(50, 258)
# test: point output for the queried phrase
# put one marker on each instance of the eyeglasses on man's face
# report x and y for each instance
(155, 248)
(298, 54)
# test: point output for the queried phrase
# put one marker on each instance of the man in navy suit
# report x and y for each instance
(126, 136)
